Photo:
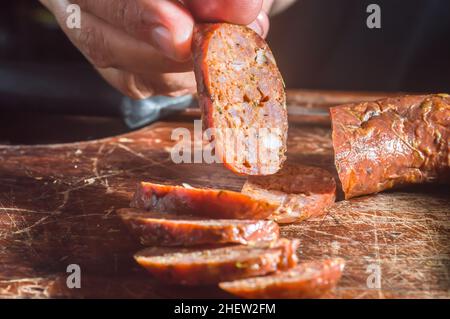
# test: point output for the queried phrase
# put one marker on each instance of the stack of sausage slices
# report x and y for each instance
(208, 236)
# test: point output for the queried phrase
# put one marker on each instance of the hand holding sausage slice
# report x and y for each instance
(143, 47)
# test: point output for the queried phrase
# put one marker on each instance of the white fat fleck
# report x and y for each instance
(271, 141)
(222, 79)
(237, 65)
(260, 57)
(186, 185)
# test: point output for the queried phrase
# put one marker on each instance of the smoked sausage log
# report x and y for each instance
(392, 142)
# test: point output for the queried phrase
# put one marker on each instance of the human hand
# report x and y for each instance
(143, 47)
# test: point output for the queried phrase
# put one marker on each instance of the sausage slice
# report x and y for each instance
(163, 229)
(392, 142)
(204, 266)
(307, 280)
(204, 202)
(299, 191)
(242, 98)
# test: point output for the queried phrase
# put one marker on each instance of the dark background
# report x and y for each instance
(319, 44)
(325, 44)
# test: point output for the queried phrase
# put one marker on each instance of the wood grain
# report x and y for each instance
(58, 202)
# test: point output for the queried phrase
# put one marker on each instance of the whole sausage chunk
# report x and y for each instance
(242, 98)
(392, 142)
(206, 266)
(299, 191)
(307, 280)
(212, 203)
(162, 229)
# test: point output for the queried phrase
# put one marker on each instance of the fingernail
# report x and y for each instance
(261, 24)
(255, 26)
(163, 41)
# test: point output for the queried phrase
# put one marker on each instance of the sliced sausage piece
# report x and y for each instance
(307, 280)
(212, 203)
(164, 229)
(204, 266)
(392, 142)
(242, 98)
(299, 191)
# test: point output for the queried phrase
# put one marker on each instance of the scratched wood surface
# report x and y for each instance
(58, 202)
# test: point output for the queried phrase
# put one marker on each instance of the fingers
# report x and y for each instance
(233, 11)
(280, 5)
(126, 83)
(134, 44)
(144, 86)
(106, 46)
(173, 84)
(261, 24)
(164, 24)
(268, 5)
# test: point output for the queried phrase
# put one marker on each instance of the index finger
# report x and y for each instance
(165, 24)
(232, 11)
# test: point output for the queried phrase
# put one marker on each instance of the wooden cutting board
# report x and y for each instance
(58, 202)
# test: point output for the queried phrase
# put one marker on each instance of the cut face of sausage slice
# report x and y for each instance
(241, 94)
(392, 142)
(164, 229)
(212, 203)
(205, 266)
(299, 191)
(307, 280)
